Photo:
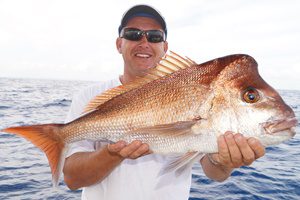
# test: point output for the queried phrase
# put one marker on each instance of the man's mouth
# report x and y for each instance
(142, 55)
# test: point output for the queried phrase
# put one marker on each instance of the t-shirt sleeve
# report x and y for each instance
(80, 146)
(79, 101)
(78, 104)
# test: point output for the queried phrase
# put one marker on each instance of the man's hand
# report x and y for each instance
(133, 150)
(236, 151)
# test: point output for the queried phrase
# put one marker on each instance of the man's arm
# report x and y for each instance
(86, 168)
(234, 151)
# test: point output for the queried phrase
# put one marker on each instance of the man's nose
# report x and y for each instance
(144, 39)
(143, 42)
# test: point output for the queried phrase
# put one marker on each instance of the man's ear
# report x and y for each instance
(118, 44)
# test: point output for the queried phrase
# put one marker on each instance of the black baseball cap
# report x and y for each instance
(143, 10)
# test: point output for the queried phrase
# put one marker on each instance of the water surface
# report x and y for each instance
(25, 174)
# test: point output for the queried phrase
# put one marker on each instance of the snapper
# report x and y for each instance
(178, 107)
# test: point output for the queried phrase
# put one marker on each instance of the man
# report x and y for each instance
(130, 171)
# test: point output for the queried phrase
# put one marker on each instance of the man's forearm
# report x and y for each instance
(87, 168)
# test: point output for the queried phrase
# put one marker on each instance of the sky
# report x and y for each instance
(75, 39)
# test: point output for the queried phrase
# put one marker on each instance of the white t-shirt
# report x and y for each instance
(137, 179)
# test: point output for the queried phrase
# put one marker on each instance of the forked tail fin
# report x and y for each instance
(46, 137)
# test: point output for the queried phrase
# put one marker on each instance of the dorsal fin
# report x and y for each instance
(169, 64)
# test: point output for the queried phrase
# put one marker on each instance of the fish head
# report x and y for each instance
(244, 103)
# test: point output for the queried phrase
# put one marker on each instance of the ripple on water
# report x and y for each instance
(16, 187)
(5, 107)
(58, 103)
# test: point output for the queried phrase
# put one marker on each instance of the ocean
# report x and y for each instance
(25, 174)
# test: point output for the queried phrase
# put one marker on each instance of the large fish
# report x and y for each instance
(178, 107)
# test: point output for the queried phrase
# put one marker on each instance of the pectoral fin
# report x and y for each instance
(173, 129)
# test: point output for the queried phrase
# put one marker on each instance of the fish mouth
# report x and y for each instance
(281, 127)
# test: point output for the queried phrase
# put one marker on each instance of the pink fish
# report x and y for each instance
(178, 107)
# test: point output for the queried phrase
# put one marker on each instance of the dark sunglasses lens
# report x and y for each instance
(155, 36)
(132, 34)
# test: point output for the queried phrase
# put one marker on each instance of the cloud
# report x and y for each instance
(75, 39)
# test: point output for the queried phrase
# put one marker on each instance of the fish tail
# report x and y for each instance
(47, 138)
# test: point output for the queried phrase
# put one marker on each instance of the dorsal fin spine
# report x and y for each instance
(180, 59)
(169, 64)
(158, 72)
(191, 61)
(167, 68)
(178, 62)
(186, 61)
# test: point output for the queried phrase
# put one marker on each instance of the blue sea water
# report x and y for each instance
(25, 174)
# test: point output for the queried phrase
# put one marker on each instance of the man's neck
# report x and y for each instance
(129, 77)
(124, 79)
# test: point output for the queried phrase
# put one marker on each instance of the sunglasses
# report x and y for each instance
(134, 34)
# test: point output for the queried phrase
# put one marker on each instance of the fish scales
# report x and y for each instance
(156, 112)
(158, 104)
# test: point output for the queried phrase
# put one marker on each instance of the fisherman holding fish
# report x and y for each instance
(123, 170)
(137, 137)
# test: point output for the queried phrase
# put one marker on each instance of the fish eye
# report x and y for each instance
(250, 95)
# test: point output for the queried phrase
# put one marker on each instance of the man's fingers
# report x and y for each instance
(257, 147)
(235, 154)
(224, 154)
(235, 150)
(133, 150)
(116, 147)
(143, 149)
(248, 154)
(130, 148)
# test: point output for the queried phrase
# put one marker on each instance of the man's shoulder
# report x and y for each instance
(97, 88)
(84, 96)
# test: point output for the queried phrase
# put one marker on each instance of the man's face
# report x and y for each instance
(141, 55)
